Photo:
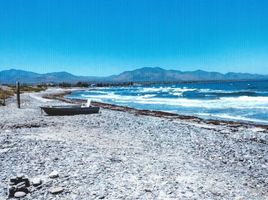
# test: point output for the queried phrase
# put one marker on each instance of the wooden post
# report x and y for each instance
(4, 102)
(18, 93)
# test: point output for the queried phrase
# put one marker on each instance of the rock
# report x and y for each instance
(113, 159)
(54, 174)
(20, 176)
(19, 180)
(21, 185)
(36, 181)
(11, 183)
(56, 158)
(14, 179)
(27, 181)
(22, 189)
(19, 194)
(56, 190)
(11, 191)
(148, 190)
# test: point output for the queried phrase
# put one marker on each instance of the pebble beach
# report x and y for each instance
(121, 155)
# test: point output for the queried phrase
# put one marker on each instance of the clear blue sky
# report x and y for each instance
(103, 37)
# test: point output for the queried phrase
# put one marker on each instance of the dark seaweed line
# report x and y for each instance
(162, 114)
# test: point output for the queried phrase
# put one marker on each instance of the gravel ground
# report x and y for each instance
(119, 155)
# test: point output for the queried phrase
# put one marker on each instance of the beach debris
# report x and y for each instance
(54, 174)
(56, 190)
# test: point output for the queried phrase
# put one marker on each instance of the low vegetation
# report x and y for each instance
(28, 88)
(4, 94)
(8, 91)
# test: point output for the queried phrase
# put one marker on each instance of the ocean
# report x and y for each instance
(233, 101)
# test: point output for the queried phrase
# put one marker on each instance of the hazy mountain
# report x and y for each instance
(146, 74)
(13, 75)
(157, 74)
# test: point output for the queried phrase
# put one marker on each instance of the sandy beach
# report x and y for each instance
(124, 155)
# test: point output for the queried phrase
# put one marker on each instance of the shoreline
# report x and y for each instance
(129, 154)
(162, 114)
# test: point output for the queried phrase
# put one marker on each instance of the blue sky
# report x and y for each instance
(104, 37)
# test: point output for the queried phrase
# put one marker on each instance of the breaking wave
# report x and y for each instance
(235, 101)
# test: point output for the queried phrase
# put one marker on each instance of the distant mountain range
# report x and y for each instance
(146, 74)
(13, 75)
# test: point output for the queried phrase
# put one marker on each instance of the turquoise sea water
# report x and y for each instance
(239, 101)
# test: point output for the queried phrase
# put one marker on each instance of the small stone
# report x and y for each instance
(20, 176)
(13, 179)
(31, 189)
(19, 194)
(16, 180)
(21, 185)
(56, 190)
(36, 181)
(38, 187)
(147, 190)
(22, 189)
(54, 174)
(27, 181)
(11, 183)
(11, 191)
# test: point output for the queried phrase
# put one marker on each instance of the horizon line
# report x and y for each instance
(224, 73)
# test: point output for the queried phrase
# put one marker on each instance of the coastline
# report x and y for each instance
(121, 154)
(61, 96)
